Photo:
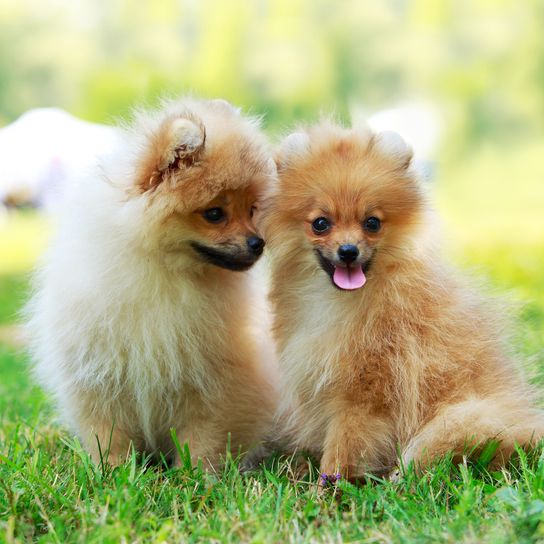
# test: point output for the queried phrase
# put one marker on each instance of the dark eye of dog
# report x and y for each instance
(321, 225)
(252, 211)
(372, 224)
(214, 215)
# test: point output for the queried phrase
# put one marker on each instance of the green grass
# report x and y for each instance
(50, 491)
(13, 293)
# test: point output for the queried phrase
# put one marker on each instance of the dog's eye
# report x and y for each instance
(214, 215)
(372, 224)
(321, 225)
(252, 211)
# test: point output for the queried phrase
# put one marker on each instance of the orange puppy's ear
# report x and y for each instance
(294, 147)
(392, 147)
(178, 143)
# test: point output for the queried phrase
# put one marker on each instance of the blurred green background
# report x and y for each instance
(480, 64)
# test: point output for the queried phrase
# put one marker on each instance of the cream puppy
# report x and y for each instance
(142, 313)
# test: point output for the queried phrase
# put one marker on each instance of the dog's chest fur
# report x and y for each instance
(330, 356)
(314, 337)
(151, 353)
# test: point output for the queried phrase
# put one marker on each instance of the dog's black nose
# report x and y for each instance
(348, 253)
(256, 244)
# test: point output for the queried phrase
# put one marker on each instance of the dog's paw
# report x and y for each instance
(301, 469)
(185, 141)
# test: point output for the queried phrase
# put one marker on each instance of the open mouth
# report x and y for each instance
(231, 261)
(345, 277)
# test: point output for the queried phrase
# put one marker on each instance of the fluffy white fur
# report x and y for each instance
(131, 337)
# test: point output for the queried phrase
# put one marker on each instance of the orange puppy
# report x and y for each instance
(380, 344)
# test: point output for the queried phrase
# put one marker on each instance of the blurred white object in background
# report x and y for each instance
(419, 123)
(42, 150)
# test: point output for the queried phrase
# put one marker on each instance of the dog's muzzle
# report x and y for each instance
(236, 259)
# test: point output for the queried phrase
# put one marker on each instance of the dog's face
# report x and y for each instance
(221, 232)
(204, 180)
(344, 240)
(347, 201)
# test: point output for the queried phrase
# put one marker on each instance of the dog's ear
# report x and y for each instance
(392, 147)
(220, 104)
(177, 144)
(294, 146)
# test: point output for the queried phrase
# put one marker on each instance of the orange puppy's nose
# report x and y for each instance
(347, 253)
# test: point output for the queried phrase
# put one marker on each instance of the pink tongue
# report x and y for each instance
(349, 278)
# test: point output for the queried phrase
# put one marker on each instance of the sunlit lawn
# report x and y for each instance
(50, 490)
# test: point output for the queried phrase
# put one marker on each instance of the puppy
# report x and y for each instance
(140, 321)
(380, 345)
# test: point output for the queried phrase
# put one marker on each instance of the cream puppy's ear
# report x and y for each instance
(185, 140)
(221, 104)
(392, 147)
(291, 148)
(178, 143)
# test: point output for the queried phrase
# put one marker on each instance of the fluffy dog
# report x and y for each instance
(380, 345)
(141, 318)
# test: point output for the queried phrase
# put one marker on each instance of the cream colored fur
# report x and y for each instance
(134, 336)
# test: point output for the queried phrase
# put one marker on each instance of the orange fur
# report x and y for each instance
(413, 358)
